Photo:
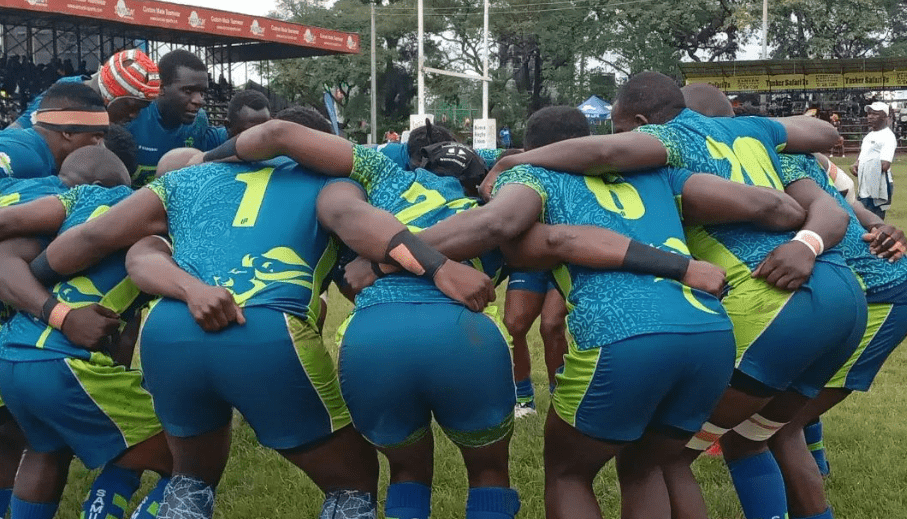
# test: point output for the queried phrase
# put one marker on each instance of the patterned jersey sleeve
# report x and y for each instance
(670, 138)
(677, 178)
(793, 168)
(490, 156)
(163, 186)
(371, 168)
(70, 198)
(526, 175)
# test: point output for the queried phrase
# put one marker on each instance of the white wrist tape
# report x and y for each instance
(812, 240)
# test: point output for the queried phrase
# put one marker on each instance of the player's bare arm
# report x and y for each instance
(790, 265)
(327, 154)
(90, 327)
(151, 267)
(709, 199)
(595, 155)
(378, 236)
(43, 216)
(808, 134)
(140, 215)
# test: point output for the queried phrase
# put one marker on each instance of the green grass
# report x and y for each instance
(865, 436)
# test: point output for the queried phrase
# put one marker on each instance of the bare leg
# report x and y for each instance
(572, 461)
(553, 329)
(345, 461)
(42, 476)
(643, 491)
(521, 308)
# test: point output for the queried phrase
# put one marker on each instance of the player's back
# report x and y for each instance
(252, 229)
(418, 199)
(874, 273)
(608, 306)
(24, 337)
(15, 191)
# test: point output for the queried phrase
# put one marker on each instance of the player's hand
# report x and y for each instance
(788, 266)
(92, 327)
(853, 168)
(490, 178)
(213, 308)
(358, 274)
(886, 241)
(704, 276)
(465, 284)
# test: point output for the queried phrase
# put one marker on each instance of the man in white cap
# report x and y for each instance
(873, 167)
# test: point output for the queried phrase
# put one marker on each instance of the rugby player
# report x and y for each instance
(246, 109)
(47, 342)
(70, 116)
(176, 118)
(767, 389)
(293, 400)
(127, 82)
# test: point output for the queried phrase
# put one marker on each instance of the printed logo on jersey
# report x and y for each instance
(278, 265)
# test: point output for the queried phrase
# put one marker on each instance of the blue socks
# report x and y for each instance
(152, 502)
(25, 510)
(813, 434)
(110, 493)
(187, 498)
(348, 504)
(824, 515)
(492, 503)
(525, 394)
(760, 486)
(5, 495)
(407, 501)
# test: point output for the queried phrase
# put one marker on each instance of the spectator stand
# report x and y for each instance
(43, 40)
(832, 87)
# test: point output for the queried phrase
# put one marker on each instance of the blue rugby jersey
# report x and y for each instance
(252, 229)
(418, 199)
(153, 140)
(26, 338)
(740, 149)
(25, 154)
(606, 306)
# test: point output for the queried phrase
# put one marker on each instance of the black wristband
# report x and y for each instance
(644, 259)
(40, 268)
(376, 268)
(48, 307)
(224, 151)
(427, 260)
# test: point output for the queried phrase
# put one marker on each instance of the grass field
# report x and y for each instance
(866, 437)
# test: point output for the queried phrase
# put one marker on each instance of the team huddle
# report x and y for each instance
(212, 249)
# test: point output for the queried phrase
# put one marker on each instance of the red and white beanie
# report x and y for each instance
(129, 73)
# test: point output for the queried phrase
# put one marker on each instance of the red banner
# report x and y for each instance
(197, 19)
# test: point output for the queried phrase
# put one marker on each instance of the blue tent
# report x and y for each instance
(596, 109)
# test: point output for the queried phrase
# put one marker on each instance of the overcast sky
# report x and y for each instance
(256, 7)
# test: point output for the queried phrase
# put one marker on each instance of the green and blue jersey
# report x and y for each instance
(26, 338)
(740, 149)
(606, 306)
(418, 199)
(874, 273)
(14, 191)
(25, 154)
(252, 229)
(153, 140)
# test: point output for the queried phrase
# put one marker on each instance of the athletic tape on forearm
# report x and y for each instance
(643, 259)
(414, 255)
(42, 271)
(224, 151)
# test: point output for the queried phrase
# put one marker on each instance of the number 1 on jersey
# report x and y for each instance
(256, 184)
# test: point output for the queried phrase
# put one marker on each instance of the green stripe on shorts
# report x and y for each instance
(118, 392)
(573, 382)
(319, 368)
(483, 438)
(877, 315)
(752, 307)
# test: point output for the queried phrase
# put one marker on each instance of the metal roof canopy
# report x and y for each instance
(792, 66)
(232, 44)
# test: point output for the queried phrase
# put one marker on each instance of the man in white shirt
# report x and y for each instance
(873, 167)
